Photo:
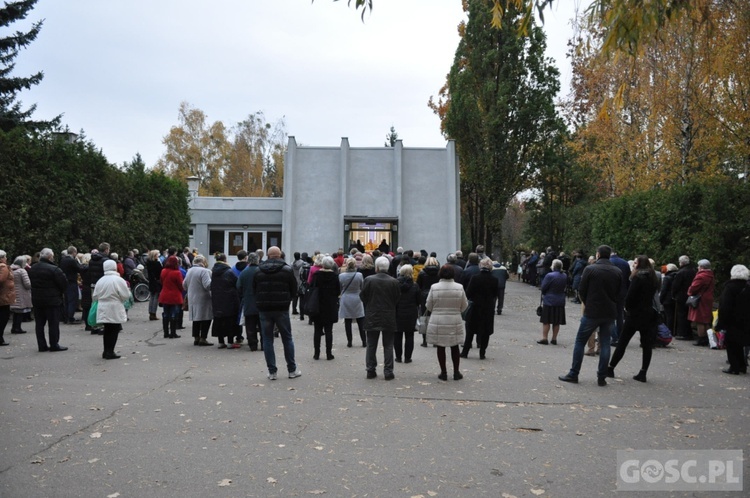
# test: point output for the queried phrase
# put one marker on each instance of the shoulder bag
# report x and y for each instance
(540, 307)
(693, 301)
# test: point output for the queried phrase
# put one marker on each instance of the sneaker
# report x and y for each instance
(272, 376)
(295, 374)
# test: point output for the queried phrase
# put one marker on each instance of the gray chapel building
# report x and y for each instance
(333, 196)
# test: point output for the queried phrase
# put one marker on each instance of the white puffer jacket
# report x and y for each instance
(111, 291)
(445, 302)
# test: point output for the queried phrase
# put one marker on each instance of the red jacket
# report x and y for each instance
(171, 287)
(703, 285)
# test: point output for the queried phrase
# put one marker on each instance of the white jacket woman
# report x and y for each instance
(111, 292)
(445, 302)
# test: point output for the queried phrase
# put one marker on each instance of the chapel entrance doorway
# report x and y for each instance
(370, 233)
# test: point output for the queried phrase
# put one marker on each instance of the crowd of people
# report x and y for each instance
(620, 298)
(390, 297)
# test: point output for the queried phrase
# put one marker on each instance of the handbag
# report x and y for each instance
(185, 306)
(693, 301)
(91, 319)
(424, 320)
(540, 307)
(312, 302)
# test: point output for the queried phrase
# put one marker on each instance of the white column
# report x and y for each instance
(287, 218)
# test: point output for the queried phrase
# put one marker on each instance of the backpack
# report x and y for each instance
(304, 272)
(663, 336)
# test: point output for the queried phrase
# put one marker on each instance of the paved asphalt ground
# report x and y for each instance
(171, 419)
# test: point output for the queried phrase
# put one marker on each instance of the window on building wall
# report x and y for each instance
(274, 239)
(254, 241)
(215, 241)
(236, 243)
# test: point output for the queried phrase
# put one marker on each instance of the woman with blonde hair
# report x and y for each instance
(350, 306)
(367, 267)
(407, 311)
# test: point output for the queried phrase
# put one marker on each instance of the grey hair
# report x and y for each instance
(47, 253)
(684, 260)
(556, 264)
(705, 264)
(739, 272)
(253, 258)
(382, 264)
(328, 263)
(406, 271)
(21, 260)
(199, 260)
(3, 254)
(451, 258)
(485, 264)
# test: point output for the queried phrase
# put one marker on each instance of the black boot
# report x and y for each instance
(348, 338)
(641, 377)
(173, 329)
(165, 326)
(110, 341)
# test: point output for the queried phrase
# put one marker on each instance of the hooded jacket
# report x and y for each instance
(274, 285)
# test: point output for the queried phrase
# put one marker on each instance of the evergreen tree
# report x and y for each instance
(391, 137)
(498, 107)
(11, 113)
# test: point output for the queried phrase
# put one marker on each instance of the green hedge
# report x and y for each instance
(703, 220)
(54, 194)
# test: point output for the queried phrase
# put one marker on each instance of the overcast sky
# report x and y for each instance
(118, 69)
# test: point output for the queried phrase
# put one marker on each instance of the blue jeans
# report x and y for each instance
(171, 311)
(588, 327)
(269, 319)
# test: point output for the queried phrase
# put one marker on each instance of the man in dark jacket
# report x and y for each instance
(96, 265)
(501, 274)
(380, 295)
(247, 296)
(452, 260)
(71, 268)
(549, 257)
(396, 262)
(680, 285)
(471, 269)
(47, 288)
(274, 285)
(599, 292)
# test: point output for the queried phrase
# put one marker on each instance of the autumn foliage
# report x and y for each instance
(244, 161)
